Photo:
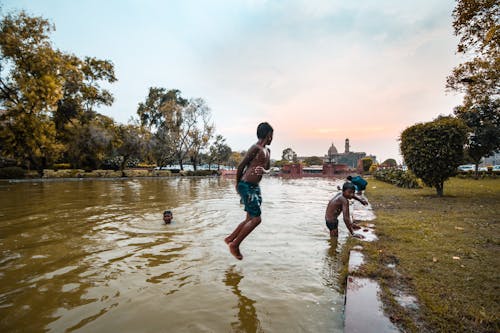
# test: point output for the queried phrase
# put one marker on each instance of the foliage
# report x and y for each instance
(289, 155)
(483, 121)
(477, 23)
(398, 177)
(313, 160)
(42, 90)
(11, 173)
(219, 152)
(390, 162)
(366, 163)
(433, 150)
(373, 168)
(181, 128)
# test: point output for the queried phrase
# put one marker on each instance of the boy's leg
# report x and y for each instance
(236, 231)
(247, 228)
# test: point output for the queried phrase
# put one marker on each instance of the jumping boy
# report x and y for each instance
(340, 203)
(250, 170)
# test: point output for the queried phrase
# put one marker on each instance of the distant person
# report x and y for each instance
(340, 203)
(248, 176)
(167, 217)
(359, 182)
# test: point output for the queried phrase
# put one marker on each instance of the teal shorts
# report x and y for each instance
(251, 198)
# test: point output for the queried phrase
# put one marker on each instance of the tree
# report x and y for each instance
(43, 89)
(92, 142)
(220, 152)
(235, 159)
(483, 122)
(477, 23)
(433, 150)
(366, 163)
(181, 127)
(313, 160)
(132, 144)
(289, 155)
(390, 162)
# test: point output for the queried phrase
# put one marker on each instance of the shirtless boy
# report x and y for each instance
(340, 203)
(248, 176)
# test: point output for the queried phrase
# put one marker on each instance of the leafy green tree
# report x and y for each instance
(92, 142)
(313, 160)
(433, 150)
(477, 23)
(483, 121)
(289, 155)
(132, 141)
(220, 152)
(390, 162)
(366, 163)
(181, 127)
(41, 90)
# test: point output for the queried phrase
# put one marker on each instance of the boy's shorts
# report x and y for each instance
(332, 225)
(251, 197)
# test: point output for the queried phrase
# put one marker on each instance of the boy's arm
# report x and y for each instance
(347, 219)
(363, 201)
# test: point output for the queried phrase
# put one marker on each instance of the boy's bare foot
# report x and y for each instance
(227, 240)
(235, 251)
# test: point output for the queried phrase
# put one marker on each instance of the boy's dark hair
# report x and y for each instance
(348, 186)
(349, 177)
(167, 212)
(263, 130)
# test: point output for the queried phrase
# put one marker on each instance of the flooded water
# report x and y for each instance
(95, 256)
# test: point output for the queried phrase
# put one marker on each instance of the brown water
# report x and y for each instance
(95, 256)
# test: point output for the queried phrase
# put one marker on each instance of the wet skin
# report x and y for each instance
(340, 204)
(167, 218)
(251, 169)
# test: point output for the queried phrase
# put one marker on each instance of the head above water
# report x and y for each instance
(264, 130)
(348, 190)
(167, 216)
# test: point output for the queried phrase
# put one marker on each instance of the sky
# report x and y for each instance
(319, 71)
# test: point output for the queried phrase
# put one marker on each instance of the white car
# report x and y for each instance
(466, 167)
(496, 168)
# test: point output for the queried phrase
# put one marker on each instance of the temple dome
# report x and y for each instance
(332, 150)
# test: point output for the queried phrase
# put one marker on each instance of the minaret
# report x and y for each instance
(346, 146)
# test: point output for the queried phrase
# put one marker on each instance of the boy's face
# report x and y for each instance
(167, 218)
(348, 194)
(269, 138)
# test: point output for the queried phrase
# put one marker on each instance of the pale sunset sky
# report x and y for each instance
(318, 71)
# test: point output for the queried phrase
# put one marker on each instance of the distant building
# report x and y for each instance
(492, 160)
(348, 157)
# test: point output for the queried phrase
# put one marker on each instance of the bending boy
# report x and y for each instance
(248, 176)
(340, 204)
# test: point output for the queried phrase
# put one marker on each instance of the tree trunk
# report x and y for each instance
(439, 189)
(122, 165)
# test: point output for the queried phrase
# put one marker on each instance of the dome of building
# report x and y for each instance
(332, 150)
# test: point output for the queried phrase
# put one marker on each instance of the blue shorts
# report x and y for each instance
(251, 197)
(332, 225)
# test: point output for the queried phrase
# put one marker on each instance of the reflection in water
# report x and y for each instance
(248, 321)
(331, 269)
(95, 256)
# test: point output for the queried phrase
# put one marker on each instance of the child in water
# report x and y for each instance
(167, 217)
(340, 203)
(248, 176)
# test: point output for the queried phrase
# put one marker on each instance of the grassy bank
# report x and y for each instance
(444, 251)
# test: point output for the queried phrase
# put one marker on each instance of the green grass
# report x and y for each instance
(445, 251)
